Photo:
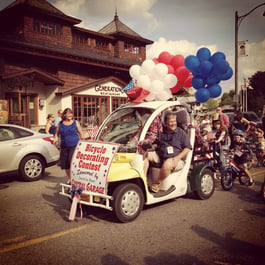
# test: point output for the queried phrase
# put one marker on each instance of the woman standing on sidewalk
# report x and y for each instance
(69, 132)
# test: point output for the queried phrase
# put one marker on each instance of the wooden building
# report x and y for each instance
(48, 63)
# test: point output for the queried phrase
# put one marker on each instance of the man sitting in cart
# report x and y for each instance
(173, 145)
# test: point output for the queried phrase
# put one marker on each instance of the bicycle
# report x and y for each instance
(232, 172)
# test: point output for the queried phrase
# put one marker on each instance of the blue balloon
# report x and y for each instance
(227, 75)
(203, 54)
(202, 95)
(215, 91)
(205, 68)
(192, 63)
(220, 67)
(212, 79)
(197, 82)
(217, 56)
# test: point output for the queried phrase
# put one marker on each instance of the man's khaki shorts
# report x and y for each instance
(156, 159)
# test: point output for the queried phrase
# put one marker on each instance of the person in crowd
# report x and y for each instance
(221, 141)
(239, 122)
(260, 146)
(151, 136)
(253, 132)
(242, 153)
(196, 120)
(173, 145)
(223, 117)
(58, 118)
(205, 126)
(50, 128)
(206, 119)
(69, 132)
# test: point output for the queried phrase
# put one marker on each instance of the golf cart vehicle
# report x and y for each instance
(127, 186)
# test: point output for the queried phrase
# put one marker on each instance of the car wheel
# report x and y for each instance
(206, 185)
(31, 168)
(128, 201)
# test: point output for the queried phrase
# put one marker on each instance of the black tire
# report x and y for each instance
(206, 185)
(227, 180)
(243, 178)
(128, 201)
(31, 168)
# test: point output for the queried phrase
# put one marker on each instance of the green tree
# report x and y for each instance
(227, 98)
(256, 90)
(211, 104)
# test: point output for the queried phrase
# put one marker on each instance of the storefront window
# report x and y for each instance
(116, 102)
(90, 110)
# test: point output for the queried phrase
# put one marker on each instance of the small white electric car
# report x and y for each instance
(127, 186)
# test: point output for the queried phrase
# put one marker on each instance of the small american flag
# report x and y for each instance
(129, 86)
(92, 131)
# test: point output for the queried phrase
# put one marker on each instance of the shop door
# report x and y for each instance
(22, 109)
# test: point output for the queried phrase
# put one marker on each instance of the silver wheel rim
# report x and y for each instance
(33, 168)
(130, 202)
(206, 184)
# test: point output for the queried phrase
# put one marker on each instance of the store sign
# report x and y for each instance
(106, 90)
(17, 84)
(90, 165)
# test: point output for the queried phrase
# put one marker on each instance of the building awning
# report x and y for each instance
(35, 74)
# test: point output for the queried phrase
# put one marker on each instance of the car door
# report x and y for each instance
(10, 146)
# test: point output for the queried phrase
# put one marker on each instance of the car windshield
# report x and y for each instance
(124, 127)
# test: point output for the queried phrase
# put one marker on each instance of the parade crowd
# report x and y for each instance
(243, 136)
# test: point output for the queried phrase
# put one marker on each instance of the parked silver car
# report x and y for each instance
(26, 152)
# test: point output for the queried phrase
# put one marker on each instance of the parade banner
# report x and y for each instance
(91, 164)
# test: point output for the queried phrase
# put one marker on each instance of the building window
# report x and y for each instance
(131, 48)
(116, 102)
(102, 44)
(47, 28)
(89, 110)
(79, 39)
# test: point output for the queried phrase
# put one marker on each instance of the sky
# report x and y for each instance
(182, 26)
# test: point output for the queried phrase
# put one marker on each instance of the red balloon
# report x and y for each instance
(176, 88)
(182, 73)
(177, 61)
(155, 60)
(164, 57)
(170, 69)
(187, 82)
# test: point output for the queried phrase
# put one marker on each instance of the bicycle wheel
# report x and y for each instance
(243, 178)
(227, 179)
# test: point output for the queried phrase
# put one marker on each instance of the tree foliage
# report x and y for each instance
(227, 98)
(211, 104)
(256, 97)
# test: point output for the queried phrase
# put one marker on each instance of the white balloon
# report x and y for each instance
(147, 66)
(160, 70)
(134, 71)
(163, 95)
(150, 97)
(170, 80)
(156, 86)
(144, 82)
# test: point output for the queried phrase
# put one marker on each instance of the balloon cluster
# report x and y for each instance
(158, 78)
(208, 70)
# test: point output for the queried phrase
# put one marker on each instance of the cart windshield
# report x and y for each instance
(124, 127)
